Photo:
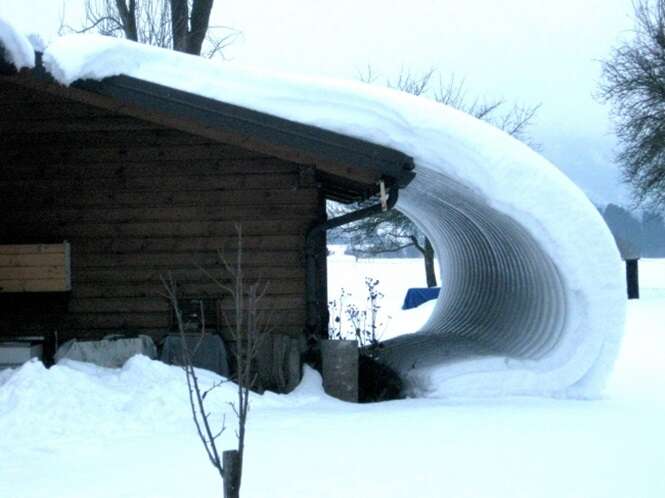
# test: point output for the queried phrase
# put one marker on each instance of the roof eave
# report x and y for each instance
(334, 153)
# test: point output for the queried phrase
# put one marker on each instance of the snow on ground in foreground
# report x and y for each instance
(81, 431)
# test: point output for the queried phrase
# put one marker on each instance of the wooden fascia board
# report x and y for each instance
(329, 152)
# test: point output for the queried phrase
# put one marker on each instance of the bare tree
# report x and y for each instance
(392, 231)
(514, 119)
(634, 83)
(182, 25)
(248, 326)
(385, 233)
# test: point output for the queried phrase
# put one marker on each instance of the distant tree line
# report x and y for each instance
(639, 234)
(636, 235)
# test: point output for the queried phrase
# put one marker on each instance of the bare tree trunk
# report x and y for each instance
(128, 17)
(200, 19)
(179, 24)
(430, 274)
(232, 461)
(186, 39)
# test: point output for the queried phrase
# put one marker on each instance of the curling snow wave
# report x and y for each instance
(533, 298)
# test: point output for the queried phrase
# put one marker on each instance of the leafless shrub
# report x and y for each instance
(248, 325)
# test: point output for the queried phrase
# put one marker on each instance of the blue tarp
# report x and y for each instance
(419, 295)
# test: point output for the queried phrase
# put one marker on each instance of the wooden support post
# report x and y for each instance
(632, 279)
(231, 463)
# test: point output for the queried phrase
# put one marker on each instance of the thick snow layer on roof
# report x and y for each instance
(18, 49)
(534, 296)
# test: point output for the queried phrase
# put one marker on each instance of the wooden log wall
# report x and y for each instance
(136, 201)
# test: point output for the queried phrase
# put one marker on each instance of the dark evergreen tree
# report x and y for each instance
(653, 235)
(627, 230)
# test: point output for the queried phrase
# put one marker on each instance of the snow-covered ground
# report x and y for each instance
(347, 274)
(80, 431)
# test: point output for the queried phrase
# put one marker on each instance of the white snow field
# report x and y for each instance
(79, 431)
(534, 295)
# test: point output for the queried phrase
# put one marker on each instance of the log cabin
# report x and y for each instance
(106, 186)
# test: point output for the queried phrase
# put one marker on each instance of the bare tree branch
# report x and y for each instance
(634, 83)
(181, 25)
(248, 327)
(127, 15)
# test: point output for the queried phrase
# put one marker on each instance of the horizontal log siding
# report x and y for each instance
(136, 201)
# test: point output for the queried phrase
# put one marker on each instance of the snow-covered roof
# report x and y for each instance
(18, 50)
(533, 297)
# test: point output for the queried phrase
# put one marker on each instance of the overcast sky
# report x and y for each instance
(526, 51)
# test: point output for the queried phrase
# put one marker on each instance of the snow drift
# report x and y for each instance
(533, 298)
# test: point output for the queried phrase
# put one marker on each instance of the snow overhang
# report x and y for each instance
(349, 168)
(16, 51)
(533, 298)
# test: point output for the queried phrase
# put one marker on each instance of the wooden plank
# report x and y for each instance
(35, 268)
(157, 304)
(158, 184)
(122, 198)
(114, 321)
(129, 321)
(37, 285)
(119, 305)
(32, 260)
(156, 333)
(72, 231)
(190, 229)
(101, 139)
(182, 275)
(92, 123)
(178, 260)
(13, 91)
(9, 249)
(53, 108)
(124, 245)
(133, 154)
(169, 214)
(57, 272)
(165, 168)
(84, 289)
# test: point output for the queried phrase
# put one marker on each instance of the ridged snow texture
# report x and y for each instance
(501, 293)
(533, 298)
(507, 320)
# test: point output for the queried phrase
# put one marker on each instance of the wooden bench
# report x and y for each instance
(35, 268)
